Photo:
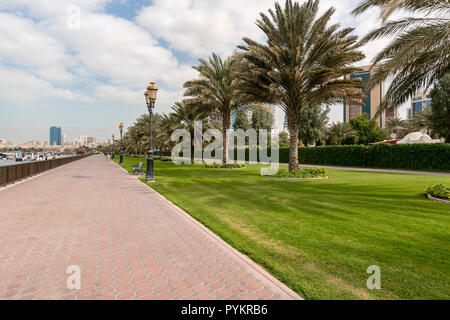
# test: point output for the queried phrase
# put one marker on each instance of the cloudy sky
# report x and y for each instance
(84, 64)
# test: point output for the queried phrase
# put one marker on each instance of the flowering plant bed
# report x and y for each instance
(224, 166)
(439, 192)
(305, 173)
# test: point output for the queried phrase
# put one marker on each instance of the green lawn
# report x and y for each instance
(319, 237)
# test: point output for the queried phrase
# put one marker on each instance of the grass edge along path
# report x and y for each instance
(319, 237)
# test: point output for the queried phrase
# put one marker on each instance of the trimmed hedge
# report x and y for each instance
(434, 157)
(429, 157)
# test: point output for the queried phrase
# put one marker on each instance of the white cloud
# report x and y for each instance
(26, 44)
(201, 27)
(22, 88)
(51, 8)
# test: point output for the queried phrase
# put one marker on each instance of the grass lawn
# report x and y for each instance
(319, 237)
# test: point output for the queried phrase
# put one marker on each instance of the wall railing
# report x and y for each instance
(19, 171)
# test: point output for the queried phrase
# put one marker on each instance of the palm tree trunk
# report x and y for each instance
(293, 147)
(192, 147)
(226, 124)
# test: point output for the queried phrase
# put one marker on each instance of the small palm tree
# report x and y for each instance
(186, 116)
(302, 64)
(213, 91)
(340, 131)
(420, 53)
(396, 126)
(422, 120)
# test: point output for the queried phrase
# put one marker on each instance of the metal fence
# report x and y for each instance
(15, 172)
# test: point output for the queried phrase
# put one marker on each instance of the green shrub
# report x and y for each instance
(353, 156)
(440, 191)
(225, 166)
(434, 157)
(303, 173)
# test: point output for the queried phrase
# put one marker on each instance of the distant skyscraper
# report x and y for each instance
(371, 103)
(55, 136)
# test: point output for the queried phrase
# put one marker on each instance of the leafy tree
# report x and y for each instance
(440, 117)
(213, 91)
(284, 139)
(313, 126)
(419, 55)
(262, 119)
(367, 130)
(340, 131)
(242, 121)
(301, 64)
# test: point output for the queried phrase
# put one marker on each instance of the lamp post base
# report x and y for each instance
(150, 177)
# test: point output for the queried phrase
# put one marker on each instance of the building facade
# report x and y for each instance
(55, 136)
(371, 104)
(419, 102)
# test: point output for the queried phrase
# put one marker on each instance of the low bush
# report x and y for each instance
(440, 191)
(224, 166)
(303, 173)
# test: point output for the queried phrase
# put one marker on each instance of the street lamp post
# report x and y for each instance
(150, 98)
(112, 156)
(121, 144)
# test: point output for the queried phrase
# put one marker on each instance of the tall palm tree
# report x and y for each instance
(301, 64)
(186, 116)
(420, 53)
(213, 91)
(340, 131)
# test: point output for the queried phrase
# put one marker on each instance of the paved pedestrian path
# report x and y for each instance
(128, 241)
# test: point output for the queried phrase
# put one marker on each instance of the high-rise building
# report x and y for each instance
(371, 104)
(419, 102)
(55, 136)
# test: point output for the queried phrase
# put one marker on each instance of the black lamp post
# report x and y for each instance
(121, 144)
(150, 98)
(112, 156)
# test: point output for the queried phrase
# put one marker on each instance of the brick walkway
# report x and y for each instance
(129, 242)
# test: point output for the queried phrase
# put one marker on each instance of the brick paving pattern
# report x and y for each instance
(129, 242)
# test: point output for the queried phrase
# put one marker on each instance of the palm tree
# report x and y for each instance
(301, 64)
(422, 120)
(213, 91)
(186, 116)
(419, 55)
(340, 131)
(397, 126)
